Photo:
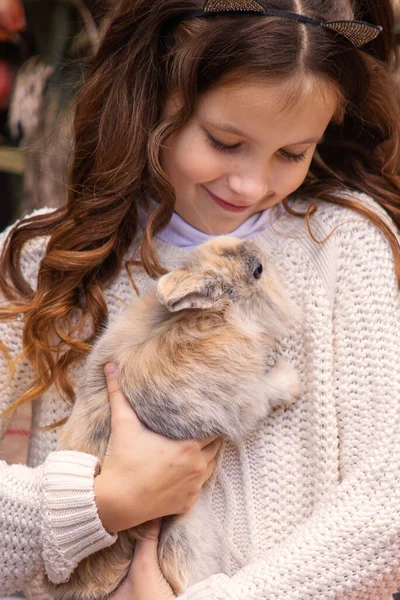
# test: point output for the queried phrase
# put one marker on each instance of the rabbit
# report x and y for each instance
(195, 358)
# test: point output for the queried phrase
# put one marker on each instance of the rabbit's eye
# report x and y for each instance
(258, 272)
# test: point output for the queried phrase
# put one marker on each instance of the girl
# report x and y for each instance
(277, 120)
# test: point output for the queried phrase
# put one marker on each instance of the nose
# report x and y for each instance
(251, 185)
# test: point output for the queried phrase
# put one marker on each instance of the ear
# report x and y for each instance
(182, 289)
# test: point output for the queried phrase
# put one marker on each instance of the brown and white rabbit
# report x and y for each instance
(195, 358)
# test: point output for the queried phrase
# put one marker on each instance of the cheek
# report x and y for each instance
(189, 157)
(290, 179)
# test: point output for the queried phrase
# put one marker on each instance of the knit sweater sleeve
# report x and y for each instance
(349, 548)
(48, 519)
(48, 514)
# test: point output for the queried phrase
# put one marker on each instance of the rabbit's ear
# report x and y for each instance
(182, 289)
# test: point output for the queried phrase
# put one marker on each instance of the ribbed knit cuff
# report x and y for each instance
(200, 591)
(71, 527)
(204, 590)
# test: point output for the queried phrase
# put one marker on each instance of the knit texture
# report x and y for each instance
(309, 505)
(69, 528)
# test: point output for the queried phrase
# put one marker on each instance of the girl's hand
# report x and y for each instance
(144, 475)
(145, 580)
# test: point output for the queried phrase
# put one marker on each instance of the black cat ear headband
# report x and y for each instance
(358, 33)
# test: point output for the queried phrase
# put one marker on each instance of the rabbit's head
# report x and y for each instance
(224, 272)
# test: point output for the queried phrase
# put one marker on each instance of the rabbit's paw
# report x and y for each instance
(283, 384)
(189, 547)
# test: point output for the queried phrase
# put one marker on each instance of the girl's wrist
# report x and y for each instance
(104, 505)
(109, 501)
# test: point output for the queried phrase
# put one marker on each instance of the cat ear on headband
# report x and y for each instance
(358, 33)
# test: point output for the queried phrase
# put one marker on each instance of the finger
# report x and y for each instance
(148, 544)
(111, 373)
(211, 451)
(152, 530)
(207, 441)
(120, 407)
(210, 470)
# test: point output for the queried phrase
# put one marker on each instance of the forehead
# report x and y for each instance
(287, 112)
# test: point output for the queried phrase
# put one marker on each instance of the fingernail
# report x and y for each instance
(110, 369)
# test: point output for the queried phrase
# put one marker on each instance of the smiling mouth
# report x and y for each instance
(227, 205)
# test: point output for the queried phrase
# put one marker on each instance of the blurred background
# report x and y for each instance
(44, 46)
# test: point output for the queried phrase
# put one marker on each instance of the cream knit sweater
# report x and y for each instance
(310, 504)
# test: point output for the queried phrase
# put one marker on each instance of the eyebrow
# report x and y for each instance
(231, 129)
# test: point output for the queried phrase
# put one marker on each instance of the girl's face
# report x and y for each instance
(243, 151)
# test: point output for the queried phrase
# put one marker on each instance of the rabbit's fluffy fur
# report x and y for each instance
(195, 358)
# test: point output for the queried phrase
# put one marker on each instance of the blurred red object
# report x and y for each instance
(12, 19)
(6, 81)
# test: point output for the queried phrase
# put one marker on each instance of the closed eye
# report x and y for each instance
(220, 146)
(294, 157)
(226, 148)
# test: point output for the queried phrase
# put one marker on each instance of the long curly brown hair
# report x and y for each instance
(119, 129)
